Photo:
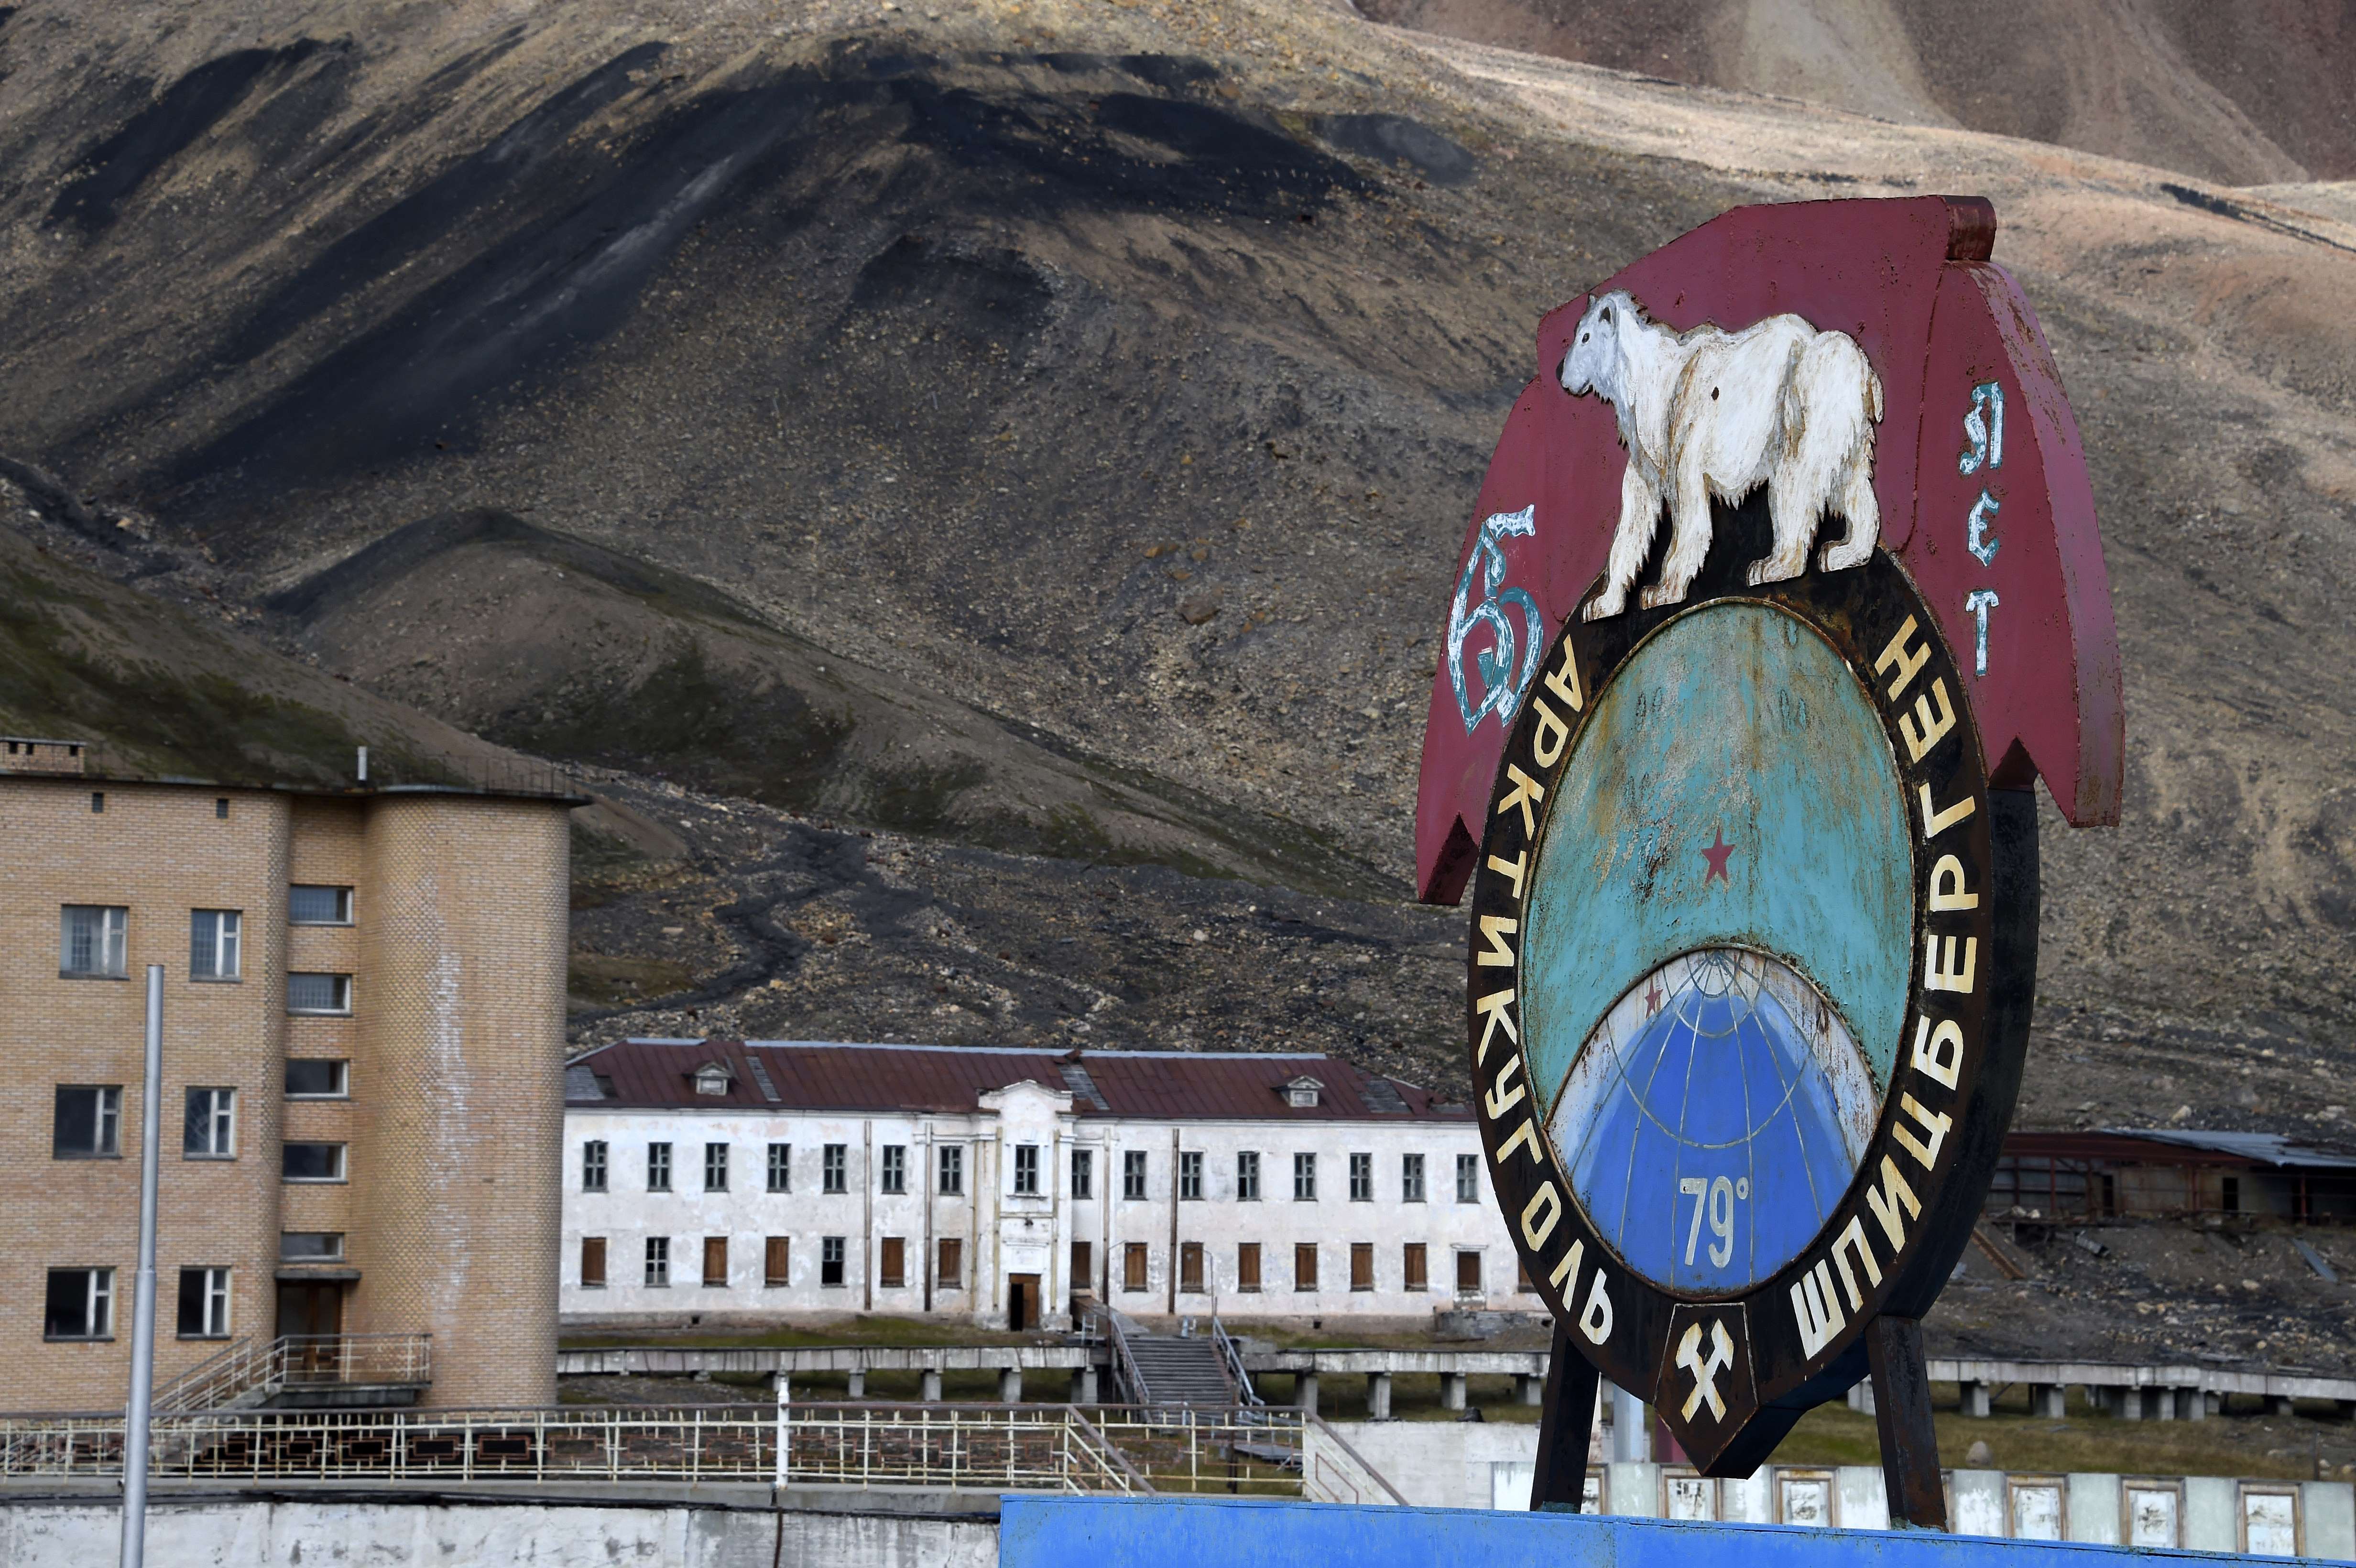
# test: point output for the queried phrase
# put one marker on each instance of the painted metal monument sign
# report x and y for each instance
(1798, 511)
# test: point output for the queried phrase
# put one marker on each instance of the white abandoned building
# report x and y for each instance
(733, 1180)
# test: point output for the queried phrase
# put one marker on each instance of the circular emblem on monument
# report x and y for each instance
(1734, 954)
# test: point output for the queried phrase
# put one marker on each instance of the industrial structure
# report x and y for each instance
(363, 1042)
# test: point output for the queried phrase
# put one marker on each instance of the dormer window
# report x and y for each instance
(1301, 1093)
(711, 1079)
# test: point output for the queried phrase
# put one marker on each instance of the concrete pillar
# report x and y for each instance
(1304, 1391)
(1378, 1396)
(1010, 1385)
(2130, 1405)
(2279, 1404)
(703, 1375)
(1089, 1384)
(1975, 1399)
(1451, 1391)
(1632, 1439)
(1860, 1396)
(2166, 1399)
(1530, 1389)
(858, 1379)
(929, 1388)
(2047, 1399)
(2196, 1405)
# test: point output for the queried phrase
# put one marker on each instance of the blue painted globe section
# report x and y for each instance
(1711, 1143)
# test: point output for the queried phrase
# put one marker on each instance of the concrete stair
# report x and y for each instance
(1178, 1370)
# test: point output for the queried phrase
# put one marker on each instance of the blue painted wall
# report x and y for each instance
(1156, 1532)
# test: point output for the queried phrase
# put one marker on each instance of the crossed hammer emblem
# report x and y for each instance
(1721, 1355)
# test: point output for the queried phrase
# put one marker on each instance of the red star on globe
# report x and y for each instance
(1715, 854)
(1652, 997)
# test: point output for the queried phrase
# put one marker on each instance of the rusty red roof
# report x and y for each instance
(828, 1075)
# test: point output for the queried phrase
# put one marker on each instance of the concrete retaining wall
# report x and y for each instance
(246, 1532)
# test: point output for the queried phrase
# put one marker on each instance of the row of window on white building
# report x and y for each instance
(892, 1171)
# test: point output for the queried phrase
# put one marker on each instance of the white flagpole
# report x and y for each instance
(143, 1309)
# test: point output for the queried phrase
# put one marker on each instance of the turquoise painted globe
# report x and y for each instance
(1715, 973)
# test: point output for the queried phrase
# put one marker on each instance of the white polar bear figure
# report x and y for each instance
(1710, 413)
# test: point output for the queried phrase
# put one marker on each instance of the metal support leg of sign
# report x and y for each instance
(1901, 1409)
(1559, 1481)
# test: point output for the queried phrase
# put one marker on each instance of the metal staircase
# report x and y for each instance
(1168, 1371)
(305, 1371)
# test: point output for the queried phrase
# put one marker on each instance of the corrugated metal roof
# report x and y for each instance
(825, 1075)
(2266, 1148)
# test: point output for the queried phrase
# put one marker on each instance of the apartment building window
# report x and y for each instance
(204, 1303)
(1468, 1273)
(894, 1180)
(892, 1264)
(91, 942)
(1190, 1267)
(592, 1262)
(1026, 1170)
(312, 903)
(1133, 1266)
(318, 1079)
(1414, 1268)
(949, 1271)
(776, 1261)
(1247, 1176)
(311, 1162)
(1247, 1266)
(80, 1305)
(1084, 1266)
(1304, 1266)
(830, 1260)
(1084, 1173)
(715, 1168)
(1410, 1179)
(1133, 1174)
(1304, 1179)
(1362, 1265)
(658, 1262)
(97, 801)
(319, 994)
(715, 1263)
(658, 1168)
(88, 1122)
(208, 1124)
(310, 1246)
(1190, 1174)
(593, 1165)
(1468, 1178)
(835, 1168)
(220, 808)
(1361, 1179)
(781, 1167)
(213, 943)
(950, 1160)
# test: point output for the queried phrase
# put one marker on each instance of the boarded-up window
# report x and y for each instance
(1468, 1274)
(1305, 1266)
(778, 1257)
(715, 1261)
(892, 1263)
(949, 1271)
(1084, 1267)
(1132, 1267)
(1190, 1267)
(1413, 1258)
(1362, 1265)
(593, 1260)
(1247, 1266)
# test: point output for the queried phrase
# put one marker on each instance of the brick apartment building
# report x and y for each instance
(363, 1049)
(738, 1181)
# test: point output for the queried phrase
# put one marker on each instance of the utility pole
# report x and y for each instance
(143, 1308)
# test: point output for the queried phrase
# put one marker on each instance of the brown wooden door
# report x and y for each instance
(313, 1310)
(1022, 1301)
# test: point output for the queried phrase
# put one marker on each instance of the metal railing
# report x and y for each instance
(1232, 1355)
(250, 1367)
(1115, 1327)
(1040, 1447)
